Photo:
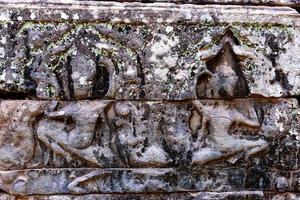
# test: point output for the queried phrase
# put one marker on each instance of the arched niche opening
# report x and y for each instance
(223, 77)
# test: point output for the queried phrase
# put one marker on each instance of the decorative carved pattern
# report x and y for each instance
(148, 99)
(223, 77)
(216, 121)
(69, 61)
(80, 61)
(140, 134)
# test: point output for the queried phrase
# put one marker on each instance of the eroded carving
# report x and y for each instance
(184, 62)
(216, 120)
(123, 61)
(17, 132)
(136, 134)
(82, 61)
(133, 134)
(132, 139)
(71, 131)
(223, 77)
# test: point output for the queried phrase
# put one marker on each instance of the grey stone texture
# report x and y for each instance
(119, 100)
(83, 52)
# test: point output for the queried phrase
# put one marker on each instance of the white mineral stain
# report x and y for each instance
(159, 20)
(277, 116)
(130, 72)
(2, 52)
(161, 49)
(169, 20)
(115, 19)
(9, 81)
(169, 29)
(75, 16)
(14, 75)
(145, 20)
(188, 15)
(154, 153)
(82, 80)
(161, 73)
(32, 16)
(181, 75)
(75, 75)
(61, 112)
(206, 18)
(170, 60)
(20, 18)
(207, 38)
(162, 46)
(104, 46)
(126, 20)
(2, 76)
(4, 17)
(64, 15)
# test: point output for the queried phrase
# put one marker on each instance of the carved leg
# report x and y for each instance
(47, 132)
(259, 145)
(248, 146)
(74, 186)
(206, 155)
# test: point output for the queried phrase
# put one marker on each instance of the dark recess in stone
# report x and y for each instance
(13, 95)
(298, 99)
(101, 81)
(70, 80)
(141, 75)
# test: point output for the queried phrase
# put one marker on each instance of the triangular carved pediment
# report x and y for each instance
(223, 77)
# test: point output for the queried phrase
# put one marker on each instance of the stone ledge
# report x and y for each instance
(82, 181)
(290, 3)
(243, 195)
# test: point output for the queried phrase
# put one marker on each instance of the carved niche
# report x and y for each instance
(79, 61)
(223, 77)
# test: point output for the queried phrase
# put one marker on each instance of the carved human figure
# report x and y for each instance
(71, 129)
(218, 118)
(133, 140)
(223, 78)
(17, 143)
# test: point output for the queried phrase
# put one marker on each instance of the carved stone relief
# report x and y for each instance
(135, 135)
(124, 101)
(72, 60)
(223, 77)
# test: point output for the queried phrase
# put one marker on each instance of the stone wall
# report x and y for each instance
(135, 100)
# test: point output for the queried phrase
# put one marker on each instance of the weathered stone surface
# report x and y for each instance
(106, 100)
(256, 195)
(291, 3)
(144, 180)
(243, 195)
(249, 142)
(186, 51)
(148, 134)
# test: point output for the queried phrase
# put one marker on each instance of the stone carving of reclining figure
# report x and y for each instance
(218, 118)
(71, 129)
